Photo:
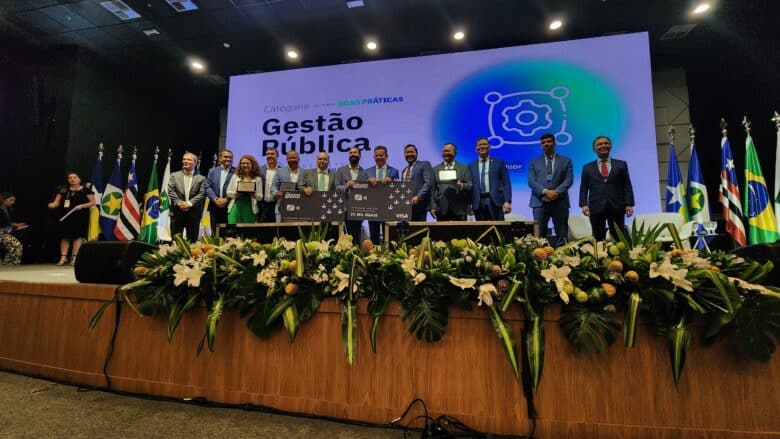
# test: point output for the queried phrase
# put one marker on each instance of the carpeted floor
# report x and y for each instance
(32, 408)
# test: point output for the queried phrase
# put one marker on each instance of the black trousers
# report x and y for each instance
(488, 211)
(189, 221)
(267, 213)
(560, 220)
(613, 218)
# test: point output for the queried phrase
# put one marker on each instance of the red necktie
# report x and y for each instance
(604, 170)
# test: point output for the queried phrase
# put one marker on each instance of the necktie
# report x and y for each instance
(380, 174)
(604, 170)
(482, 170)
(321, 185)
(549, 166)
(187, 186)
(408, 172)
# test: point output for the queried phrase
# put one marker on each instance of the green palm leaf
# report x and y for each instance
(507, 339)
(349, 329)
(679, 338)
(590, 329)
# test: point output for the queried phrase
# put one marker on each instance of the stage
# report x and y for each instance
(622, 393)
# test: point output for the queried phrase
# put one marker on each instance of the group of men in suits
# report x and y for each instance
(606, 193)
(450, 191)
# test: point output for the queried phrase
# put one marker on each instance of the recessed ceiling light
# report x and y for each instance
(226, 45)
(556, 24)
(292, 54)
(197, 65)
(459, 35)
(371, 45)
(355, 4)
(701, 8)
(151, 32)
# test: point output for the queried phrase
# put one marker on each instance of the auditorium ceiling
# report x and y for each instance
(241, 36)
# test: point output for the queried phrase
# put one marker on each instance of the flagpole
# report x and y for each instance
(776, 119)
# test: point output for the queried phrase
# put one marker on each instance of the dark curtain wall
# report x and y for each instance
(56, 105)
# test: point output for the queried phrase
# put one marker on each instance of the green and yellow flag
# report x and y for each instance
(762, 228)
(151, 208)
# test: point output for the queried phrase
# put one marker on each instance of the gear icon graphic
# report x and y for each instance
(527, 117)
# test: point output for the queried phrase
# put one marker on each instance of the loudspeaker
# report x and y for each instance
(109, 262)
(763, 253)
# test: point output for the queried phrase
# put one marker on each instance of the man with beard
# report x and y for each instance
(346, 176)
(420, 174)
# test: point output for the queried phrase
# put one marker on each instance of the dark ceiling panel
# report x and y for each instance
(66, 17)
(39, 22)
(94, 13)
(25, 5)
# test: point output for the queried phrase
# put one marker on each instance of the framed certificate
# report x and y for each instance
(448, 175)
(246, 186)
(287, 186)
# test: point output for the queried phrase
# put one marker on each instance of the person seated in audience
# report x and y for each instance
(243, 205)
(8, 223)
(72, 203)
(10, 246)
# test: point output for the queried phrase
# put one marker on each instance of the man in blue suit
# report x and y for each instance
(606, 194)
(381, 173)
(216, 187)
(346, 176)
(420, 174)
(550, 176)
(492, 193)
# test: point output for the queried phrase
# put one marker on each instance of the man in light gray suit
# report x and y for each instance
(319, 179)
(452, 187)
(291, 174)
(186, 192)
(550, 177)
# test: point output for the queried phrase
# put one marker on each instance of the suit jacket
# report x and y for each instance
(212, 182)
(176, 193)
(498, 179)
(309, 179)
(343, 175)
(390, 172)
(600, 194)
(422, 182)
(561, 181)
(264, 176)
(283, 176)
(447, 199)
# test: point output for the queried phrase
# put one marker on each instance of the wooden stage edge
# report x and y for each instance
(621, 393)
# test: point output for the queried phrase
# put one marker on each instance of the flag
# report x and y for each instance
(128, 225)
(205, 221)
(111, 202)
(698, 201)
(675, 189)
(762, 227)
(729, 195)
(777, 180)
(97, 191)
(151, 208)
(164, 220)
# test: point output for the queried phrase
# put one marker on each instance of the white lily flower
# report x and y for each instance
(572, 261)
(288, 245)
(343, 279)
(486, 293)
(165, 249)
(344, 243)
(409, 265)
(463, 283)
(258, 259)
(180, 274)
(739, 283)
(267, 276)
(672, 273)
(692, 259)
(558, 275)
(189, 274)
(320, 276)
(636, 252)
(419, 278)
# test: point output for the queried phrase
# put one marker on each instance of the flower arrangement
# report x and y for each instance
(603, 289)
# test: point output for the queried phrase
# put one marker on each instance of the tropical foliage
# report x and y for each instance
(603, 289)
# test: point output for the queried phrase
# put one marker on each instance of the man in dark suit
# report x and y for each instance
(346, 176)
(267, 213)
(382, 173)
(319, 179)
(606, 194)
(420, 174)
(492, 193)
(451, 196)
(550, 176)
(186, 192)
(216, 187)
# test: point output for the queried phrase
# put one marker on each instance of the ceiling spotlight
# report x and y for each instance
(197, 65)
(292, 54)
(556, 24)
(701, 8)
(459, 35)
(371, 45)
(226, 45)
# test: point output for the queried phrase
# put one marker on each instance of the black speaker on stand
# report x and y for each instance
(109, 262)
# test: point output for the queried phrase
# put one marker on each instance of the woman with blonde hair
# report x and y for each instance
(244, 189)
